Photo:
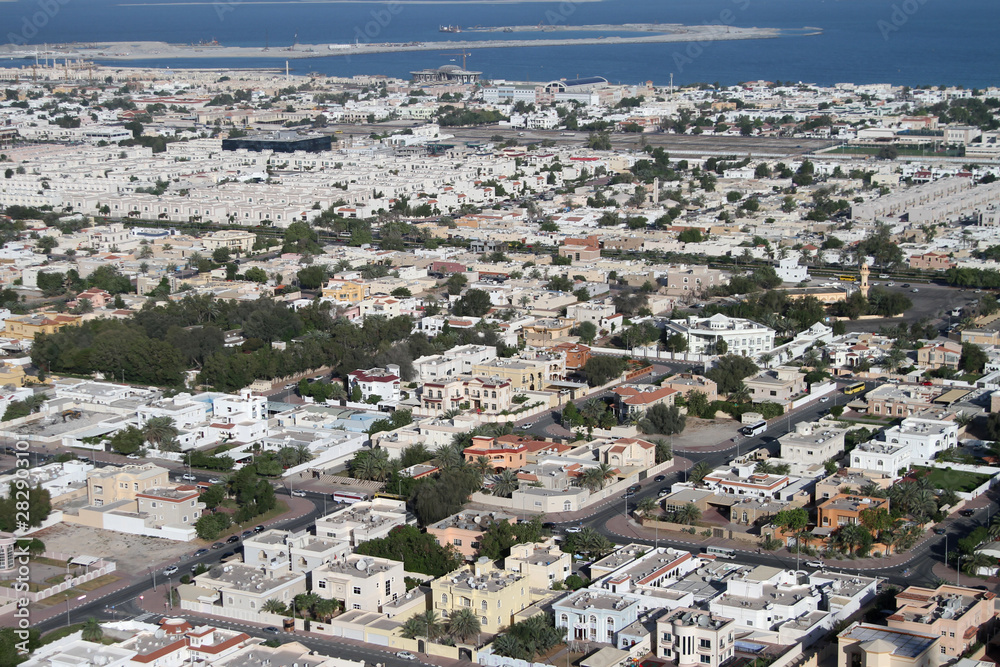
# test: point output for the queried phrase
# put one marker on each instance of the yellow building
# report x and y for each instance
(525, 374)
(495, 595)
(111, 484)
(26, 326)
(543, 563)
(346, 290)
(15, 374)
(233, 239)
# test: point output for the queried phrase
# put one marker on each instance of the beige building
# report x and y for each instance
(237, 590)
(547, 332)
(360, 582)
(525, 374)
(178, 506)
(489, 395)
(865, 645)
(777, 385)
(495, 595)
(691, 637)
(953, 613)
(626, 453)
(111, 484)
(364, 521)
(542, 563)
(235, 240)
(685, 383)
(283, 551)
(812, 442)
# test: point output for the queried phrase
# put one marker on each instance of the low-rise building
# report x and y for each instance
(489, 395)
(777, 385)
(636, 399)
(494, 595)
(692, 637)
(812, 442)
(925, 438)
(953, 613)
(866, 645)
(465, 529)
(595, 615)
(711, 335)
(364, 521)
(685, 383)
(360, 582)
(542, 563)
(502, 455)
(375, 382)
(844, 510)
(237, 590)
(881, 458)
(940, 354)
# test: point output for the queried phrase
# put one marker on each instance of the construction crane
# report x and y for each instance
(464, 55)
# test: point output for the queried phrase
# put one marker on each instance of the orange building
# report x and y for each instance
(465, 530)
(577, 355)
(502, 455)
(843, 509)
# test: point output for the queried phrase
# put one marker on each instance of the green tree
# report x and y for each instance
(159, 430)
(587, 331)
(730, 371)
(221, 255)
(601, 369)
(474, 303)
(464, 623)
(92, 630)
(664, 419)
(312, 277)
(973, 358)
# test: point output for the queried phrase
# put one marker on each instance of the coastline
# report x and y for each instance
(125, 51)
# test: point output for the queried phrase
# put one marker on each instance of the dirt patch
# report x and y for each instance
(704, 432)
(133, 554)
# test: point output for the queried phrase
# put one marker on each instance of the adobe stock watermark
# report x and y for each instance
(564, 11)
(899, 17)
(34, 21)
(21, 489)
(694, 49)
(223, 7)
(381, 18)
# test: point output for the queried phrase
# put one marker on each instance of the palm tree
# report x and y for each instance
(273, 606)
(305, 602)
(509, 646)
(741, 394)
(894, 359)
(505, 483)
(34, 402)
(412, 628)
(597, 477)
(764, 468)
(766, 359)
(431, 625)
(978, 560)
(963, 419)
(647, 506)
(687, 514)
(158, 430)
(699, 471)
(483, 465)
(994, 529)
(810, 358)
(325, 608)
(92, 630)
(464, 624)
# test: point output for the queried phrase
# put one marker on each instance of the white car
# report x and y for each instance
(170, 570)
(133, 456)
(298, 493)
(815, 563)
(824, 399)
(890, 284)
(189, 477)
(574, 529)
(215, 480)
(406, 655)
(914, 290)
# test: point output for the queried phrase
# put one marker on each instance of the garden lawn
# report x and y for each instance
(956, 480)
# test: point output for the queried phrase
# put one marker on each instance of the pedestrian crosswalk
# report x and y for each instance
(142, 618)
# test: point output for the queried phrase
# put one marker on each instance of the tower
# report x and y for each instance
(864, 279)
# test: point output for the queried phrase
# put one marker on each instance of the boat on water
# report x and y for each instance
(449, 28)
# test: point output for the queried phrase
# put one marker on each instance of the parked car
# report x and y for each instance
(189, 477)
(940, 531)
(660, 478)
(258, 529)
(200, 552)
(406, 655)
(170, 570)
(246, 533)
(635, 488)
(233, 539)
(133, 456)
(665, 491)
(824, 399)
(815, 563)
(968, 512)
(218, 545)
(298, 493)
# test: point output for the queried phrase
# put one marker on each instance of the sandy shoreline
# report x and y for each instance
(125, 51)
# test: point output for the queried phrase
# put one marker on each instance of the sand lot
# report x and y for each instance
(133, 554)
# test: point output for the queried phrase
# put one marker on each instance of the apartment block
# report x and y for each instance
(360, 582)
(695, 638)
(953, 613)
(465, 529)
(494, 595)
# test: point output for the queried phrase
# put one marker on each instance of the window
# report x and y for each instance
(321, 583)
(357, 590)
(356, 606)
(388, 586)
(99, 490)
(706, 659)
(943, 650)
(485, 605)
(457, 542)
(484, 621)
(444, 598)
(705, 643)
(253, 605)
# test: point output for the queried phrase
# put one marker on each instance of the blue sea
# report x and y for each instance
(913, 42)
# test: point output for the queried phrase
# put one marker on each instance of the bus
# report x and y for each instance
(754, 429)
(721, 552)
(854, 388)
(847, 279)
(349, 497)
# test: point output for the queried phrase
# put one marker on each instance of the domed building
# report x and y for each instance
(445, 74)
